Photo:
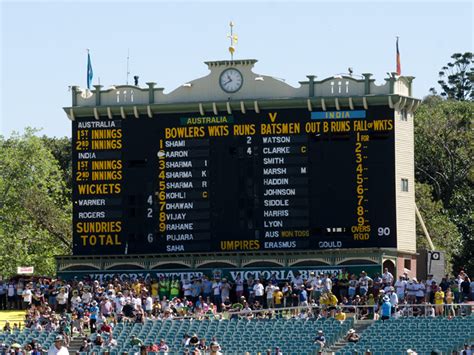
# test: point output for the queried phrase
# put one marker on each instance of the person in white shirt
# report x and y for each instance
(258, 290)
(27, 297)
(75, 300)
(387, 278)
(119, 302)
(298, 282)
(86, 296)
(353, 283)
(239, 286)
(269, 291)
(216, 292)
(57, 348)
(137, 301)
(420, 292)
(327, 283)
(149, 305)
(429, 288)
(364, 283)
(393, 297)
(400, 287)
(187, 289)
(411, 291)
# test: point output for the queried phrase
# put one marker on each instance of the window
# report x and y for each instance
(405, 185)
(407, 264)
(404, 115)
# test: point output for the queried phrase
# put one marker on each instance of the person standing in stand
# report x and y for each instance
(400, 286)
(439, 301)
(11, 294)
(27, 296)
(353, 283)
(269, 289)
(58, 348)
(3, 295)
(364, 283)
(287, 291)
(386, 308)
(259, 291)
(239, 286)
(216, 290)
(387, 278)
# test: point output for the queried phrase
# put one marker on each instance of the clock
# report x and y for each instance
(231, 80)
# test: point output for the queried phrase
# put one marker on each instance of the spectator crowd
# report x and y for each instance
(82, 307)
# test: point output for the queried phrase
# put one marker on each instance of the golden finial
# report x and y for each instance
(233, 40)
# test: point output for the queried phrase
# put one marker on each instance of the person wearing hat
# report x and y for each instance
(386, 308)
(134, 341)
(320, 339)
(98, 341)
(57, 348)
(214, 348)
(194, 340)
(411, 290)
(94, 314)
(352, 336)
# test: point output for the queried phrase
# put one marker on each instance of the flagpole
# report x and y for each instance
(399, 66)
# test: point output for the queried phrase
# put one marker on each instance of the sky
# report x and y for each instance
(43, 45)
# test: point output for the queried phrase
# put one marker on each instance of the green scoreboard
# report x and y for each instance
(286, 179)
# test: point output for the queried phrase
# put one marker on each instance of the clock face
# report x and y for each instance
(231, 80)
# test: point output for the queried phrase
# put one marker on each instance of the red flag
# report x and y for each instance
(399, 66)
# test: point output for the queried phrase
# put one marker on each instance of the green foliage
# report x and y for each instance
(444, 146)
(61, 148)
(444, 151)
(443, 232)
(34, 209)
(457, 78)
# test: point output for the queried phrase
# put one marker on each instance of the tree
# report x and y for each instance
(457, 77)
(61, 148)
(444, 147)
(34, 214)
(443, 232)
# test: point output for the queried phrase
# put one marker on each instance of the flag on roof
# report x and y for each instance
(399, 66)
(90, 73)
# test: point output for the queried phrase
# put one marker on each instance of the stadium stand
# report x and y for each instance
(420, 334)
(292, 336)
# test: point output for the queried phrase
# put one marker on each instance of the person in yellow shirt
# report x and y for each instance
(439, 301)
(323, 300)
(137, 287)
(332, 303)
(340, 315)
(154, 288)
(278, 300)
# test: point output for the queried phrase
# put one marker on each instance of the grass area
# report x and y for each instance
(12, 317)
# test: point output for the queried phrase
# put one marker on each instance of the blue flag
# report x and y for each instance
(90, 73)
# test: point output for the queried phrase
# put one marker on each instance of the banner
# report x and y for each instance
(281, 274)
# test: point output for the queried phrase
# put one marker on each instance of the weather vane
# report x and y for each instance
(233, 40)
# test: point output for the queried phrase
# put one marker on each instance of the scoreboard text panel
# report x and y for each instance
(274, 180)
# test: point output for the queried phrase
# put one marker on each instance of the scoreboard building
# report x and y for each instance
(241, 172)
